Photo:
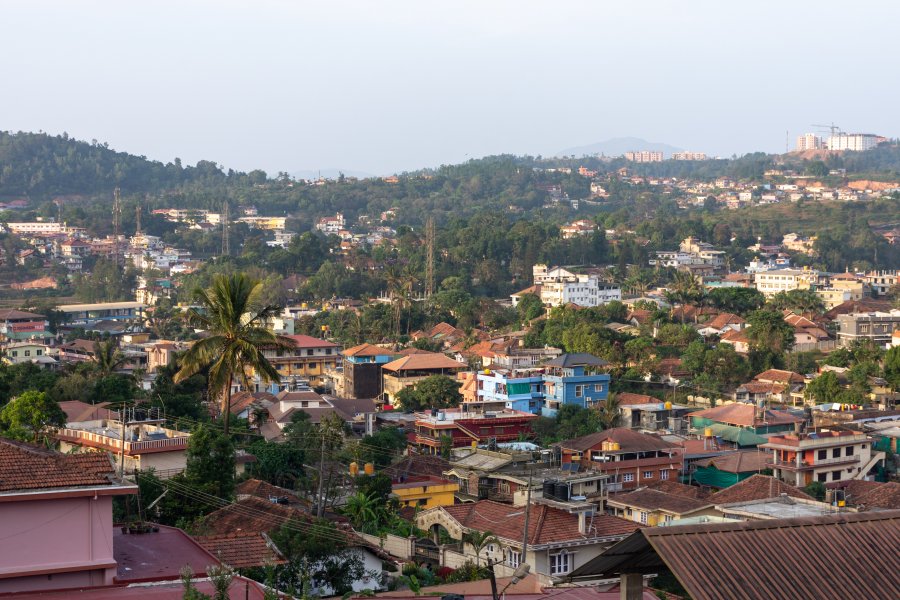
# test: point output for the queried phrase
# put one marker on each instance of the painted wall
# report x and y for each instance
(69, 534)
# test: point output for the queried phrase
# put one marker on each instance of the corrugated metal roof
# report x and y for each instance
(847, 555)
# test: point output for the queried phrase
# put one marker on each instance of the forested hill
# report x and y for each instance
(42, 165)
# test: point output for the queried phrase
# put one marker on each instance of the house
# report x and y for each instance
(757, 487)
(866, 495)
(573, 379)
(444, 334)
(721, 323)
(630, 458)
(559, 287)
(33, 352)
(459, 427)
(773, 558)
(875, 326)
(652, 507)
(287, 403)
(644, 412)
(56, 515)
(738, 339)
(577, 229)
(747, 416)
(163, 353)
(824, 456)
(558, 541)
(22, 325)
(140, 444)
(361, 370)
(409, 370)
(424, 491)
(309, 359)
(730, 468)
(782, 387)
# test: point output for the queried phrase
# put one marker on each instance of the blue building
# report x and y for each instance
(567, 379)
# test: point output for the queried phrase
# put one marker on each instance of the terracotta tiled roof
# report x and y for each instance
(626, 398)
(419, 362)
(735, 336)
(758, 387)
(418, 464)
(241, 550)
(678, 489)
(264, 490)
(546, 525)
(628, 440)
(307, 341)
(745, 415)
(741, 461)
(885, 496)
(756, 487)
(367, 350)
(243, 400)
(780, 376)
(651, 499)
(27, 467)
(723, 320)
(857, 306)
(11, 313)
(76, 411)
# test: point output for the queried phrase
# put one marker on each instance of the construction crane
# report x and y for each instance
(832, 128)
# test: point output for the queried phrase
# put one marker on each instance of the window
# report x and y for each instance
(667, 518)
(835, 475)
(648, 475)
(628, 477)
(836, 453)
(579, 391)
(309, 352)
(15, 353)
(643, 517)
(39, 352)
(664, 474)
(561, 563)
(490, 548)
(823, 477)
(598, 387)
(28, 353)
(513, 558)
(823, 454)
(849, 450)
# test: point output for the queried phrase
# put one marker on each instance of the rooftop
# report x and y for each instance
(628, 440)
(746, 415)
(307, 341)
(578, 359)
(158, 555)
(652, 499)
(756, 487)
(783, 507)
(423, 362)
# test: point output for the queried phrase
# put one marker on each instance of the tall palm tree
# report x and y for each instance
(107, 357)
(232, 314)
(479, 541)
(363, 511)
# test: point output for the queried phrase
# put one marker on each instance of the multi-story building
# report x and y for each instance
(881, 282)
(809, 141)
(266, 223)
(88, 315)
(309, 359)
(33, 352)
(785, 280)
(557, 287)
(567, 380)
(463, 428)
(521, 390)
(37, 228)
(331, 224)
(360, 375)
(688, 155)
(856, 142)
(577, 229)
(425, 491)
(875, 326)
(644, 156)
(22, 325)
(823, 456)
(409, 370)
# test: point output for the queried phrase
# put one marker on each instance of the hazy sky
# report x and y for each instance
(388, 86)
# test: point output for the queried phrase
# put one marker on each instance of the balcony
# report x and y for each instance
(96, 440)
(808, 443)
(807, 466)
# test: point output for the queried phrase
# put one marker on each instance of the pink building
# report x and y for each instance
(56, 518)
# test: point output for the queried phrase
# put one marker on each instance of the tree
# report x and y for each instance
(770, 336)
(107, 357)
(610, 415)
(30, 415)
(892, 367)
(479, 540)
(816, 489)
(279, 463)
(529, 307)
(798, 301)
(362, 510)
(434, 392)
(230, 312)
(736, 300)
(210, 462)
(824, 388)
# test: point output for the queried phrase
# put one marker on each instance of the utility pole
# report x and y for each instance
(320, 501)
(527, 514)
(493, 578)
(429, 265)
(226, 245)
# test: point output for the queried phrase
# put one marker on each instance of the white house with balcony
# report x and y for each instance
(824, 456)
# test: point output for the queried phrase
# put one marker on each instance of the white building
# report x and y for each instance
(809, 141)
(331, 224)
(644, 156)
(688, 156)
(856, 142)
(559, 286)
(784, 280)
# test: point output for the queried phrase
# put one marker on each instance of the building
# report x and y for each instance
(361, 370)
(265, 223)
(33, 352)
(630, 458)
(773, 558)
(521, 390)
(309, 359)
(577, 229)
(730, 468)
(876, 326)
(22, 325)
(425, 491)
(88, 316)
(881, 282)
(688, 155)
(751, 417)
(644, 156)
(56, 515)
(557, 286)
(652, 507)
(855, 142)
(462, 428)
(785, 280)
(331, 224)
(573, 379)
(824, 456)
(809, 141)
(409, 370)
(39, 228)
(559, 540)
(138, 444)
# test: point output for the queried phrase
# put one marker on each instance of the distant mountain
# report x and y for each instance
(618, 147)
(329, 173)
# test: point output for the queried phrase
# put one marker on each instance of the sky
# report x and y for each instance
(381, 86)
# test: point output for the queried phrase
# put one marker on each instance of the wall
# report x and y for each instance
(394, 545)
(71, 535)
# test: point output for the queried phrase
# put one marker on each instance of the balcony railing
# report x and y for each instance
(80, 435)
(806, 465)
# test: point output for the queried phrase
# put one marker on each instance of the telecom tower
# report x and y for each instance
(429, 265)
(137, 218)
(117, 221)
(226, 245)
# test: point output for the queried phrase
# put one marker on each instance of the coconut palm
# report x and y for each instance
(107, 357)
(231, 313)
(479, 540)
(362, 510)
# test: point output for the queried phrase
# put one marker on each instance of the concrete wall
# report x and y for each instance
(56, 544)
(394, 545)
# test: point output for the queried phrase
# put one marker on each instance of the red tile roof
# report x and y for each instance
(626, 398)
(241, 550)
(780, 376)
(157, 556)
(756, 487)
(745, 415)
(628, 440)
(885, 496)
(307, 341)
(76, 411)
(546, 525)
(723, 320)
(651, 499)
(741, 461)
(423, 362)
(678, 489)
(367, 350)
(26, 467)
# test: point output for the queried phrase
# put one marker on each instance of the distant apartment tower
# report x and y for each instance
(809, 141)
(644, 156)
(688, 156)
(856, 142)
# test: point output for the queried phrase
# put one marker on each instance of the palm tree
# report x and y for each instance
(610, 414)
(231, 313)
(479, 540)
(362, 510)
(107, 357)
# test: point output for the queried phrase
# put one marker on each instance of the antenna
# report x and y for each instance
(137, 218)
(226, 245)
(117, 220)
(429, 265)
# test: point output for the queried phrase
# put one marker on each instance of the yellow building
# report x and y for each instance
(425, 492)
(653, 507)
